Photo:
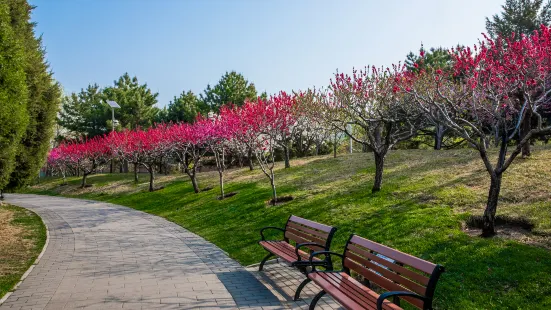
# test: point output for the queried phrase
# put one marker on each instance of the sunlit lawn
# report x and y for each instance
(426, 198)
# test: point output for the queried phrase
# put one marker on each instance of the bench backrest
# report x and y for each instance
(302, 230)
(396, 271)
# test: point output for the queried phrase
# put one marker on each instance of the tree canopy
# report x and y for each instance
(519, 17)
(232, 88)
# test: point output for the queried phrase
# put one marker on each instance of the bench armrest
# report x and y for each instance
(269, 227)
(299, 245)
(322, 253)
(386, 295)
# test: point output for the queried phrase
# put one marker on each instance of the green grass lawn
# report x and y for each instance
(22, 237)
(426, 198)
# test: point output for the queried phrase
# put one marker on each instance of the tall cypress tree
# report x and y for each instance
(13, 95)
(43, 98)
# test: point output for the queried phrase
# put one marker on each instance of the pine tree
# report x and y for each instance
(43, 98)
(519, 17)
(85, 114)
(232, 88)
(13, 95)
(137, 102)
(185, 108)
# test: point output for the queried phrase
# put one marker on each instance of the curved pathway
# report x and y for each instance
(104, 256)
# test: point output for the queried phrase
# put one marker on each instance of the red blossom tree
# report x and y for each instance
(489, 93)
(88, 155)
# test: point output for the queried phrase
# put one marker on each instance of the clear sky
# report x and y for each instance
(176, 45)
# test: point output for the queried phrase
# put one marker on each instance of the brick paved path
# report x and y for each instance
(104, 256)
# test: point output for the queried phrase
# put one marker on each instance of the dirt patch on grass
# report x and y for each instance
(22, 236)
(508, 227)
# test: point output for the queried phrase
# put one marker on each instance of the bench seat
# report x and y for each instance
(285, 251)
(350, 293)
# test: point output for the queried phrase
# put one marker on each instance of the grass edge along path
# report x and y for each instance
(426, 198)
(23, 237)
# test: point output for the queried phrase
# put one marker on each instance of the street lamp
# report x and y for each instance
(113, 106)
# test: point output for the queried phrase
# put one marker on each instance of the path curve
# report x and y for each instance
(105, 256)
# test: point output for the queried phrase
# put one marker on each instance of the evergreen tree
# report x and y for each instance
(13, 95)
(43, 98)
(185, 108)
(137, 102)
(519, 17)
(85, 114)
(232, 88)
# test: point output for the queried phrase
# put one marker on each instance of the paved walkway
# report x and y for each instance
(104, 256)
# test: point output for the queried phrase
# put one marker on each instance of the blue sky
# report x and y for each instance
(176, 45)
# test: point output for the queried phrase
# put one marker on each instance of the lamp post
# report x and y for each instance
(113, 106)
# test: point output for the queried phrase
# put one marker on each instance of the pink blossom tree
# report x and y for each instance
(489, 93)
(218, 131)
(88, 155)
(369, 108)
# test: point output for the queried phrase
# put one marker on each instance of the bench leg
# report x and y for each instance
(264, 261)
(316, 299)
(300, 287)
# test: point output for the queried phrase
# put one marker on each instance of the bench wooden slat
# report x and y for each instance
(313, 224)
(298, 240)
(335, 288)
(285, 251)
(401, 257)
(412, 286)
(380, 281)
(395, 267)
(320, 234)
(304, 236)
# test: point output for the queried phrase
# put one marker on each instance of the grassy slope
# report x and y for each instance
(23, 236)
(425, 199)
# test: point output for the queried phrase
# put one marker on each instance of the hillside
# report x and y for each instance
(426, 199)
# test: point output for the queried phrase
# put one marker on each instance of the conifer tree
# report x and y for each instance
(13, 95)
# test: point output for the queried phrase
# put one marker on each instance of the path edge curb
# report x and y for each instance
(36, 261)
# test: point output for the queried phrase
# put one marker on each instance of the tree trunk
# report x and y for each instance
(221, 185)
(526, 126)
(438, 136)
(317, 149)
(136, 180)
(151, 177)
(194, 183)
(83, 183)
(112, 166)
(250, 158)
(379, 165)
(488, 228)
(125, 166)
(335, 146)
(286, 156)
(274, 193)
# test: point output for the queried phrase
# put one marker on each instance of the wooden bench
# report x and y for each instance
(400, 275)
(301, 237)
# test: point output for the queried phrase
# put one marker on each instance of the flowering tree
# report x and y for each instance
(218, 131)
(261, 125)
(122, 145)
(188, 143)
(88, 155)
(370, 101)
(143, 147)
(283, 118)
(490, 92)
(59, 161)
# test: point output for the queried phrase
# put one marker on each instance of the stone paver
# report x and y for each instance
(104, 256)
(283, 282)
